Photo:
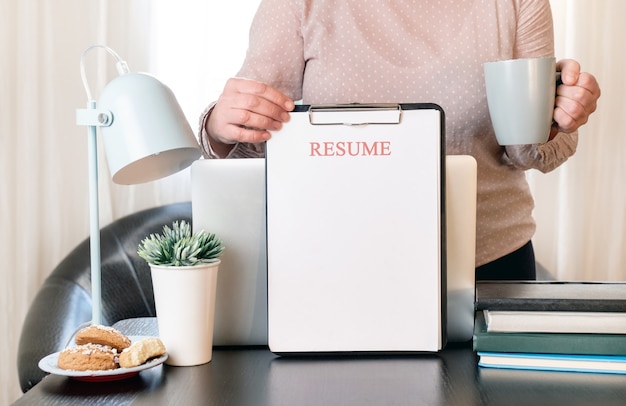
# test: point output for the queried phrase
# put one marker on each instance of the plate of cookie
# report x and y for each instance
(102, 354)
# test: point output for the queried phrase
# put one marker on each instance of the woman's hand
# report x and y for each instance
(246, 111)
(576, 98)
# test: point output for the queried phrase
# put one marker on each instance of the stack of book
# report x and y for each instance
(565, 326)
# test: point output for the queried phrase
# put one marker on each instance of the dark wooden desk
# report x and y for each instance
(255, 376)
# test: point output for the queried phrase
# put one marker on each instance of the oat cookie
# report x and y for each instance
(88, 357)
(103, 335)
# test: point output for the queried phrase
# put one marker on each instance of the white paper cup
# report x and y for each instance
(185, 305)
(520, 95)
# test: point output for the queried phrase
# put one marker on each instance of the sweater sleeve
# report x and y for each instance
(543, 157)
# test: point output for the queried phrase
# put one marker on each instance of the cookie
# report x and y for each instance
(103, 335)
(141, 351)
(88, 357)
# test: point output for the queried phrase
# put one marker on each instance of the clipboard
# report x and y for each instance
(356, 230)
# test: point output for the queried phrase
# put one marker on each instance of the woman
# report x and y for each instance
(375, 51)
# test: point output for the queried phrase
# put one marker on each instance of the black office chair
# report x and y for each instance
(64, 301)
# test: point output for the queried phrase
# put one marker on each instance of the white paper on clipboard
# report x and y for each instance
(356, 259)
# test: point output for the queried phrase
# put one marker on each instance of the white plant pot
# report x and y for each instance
(185, 307)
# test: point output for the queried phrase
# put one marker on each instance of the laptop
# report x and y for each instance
(461, 175)
(228, 198)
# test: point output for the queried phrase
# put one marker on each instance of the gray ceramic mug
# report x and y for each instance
(520, 95)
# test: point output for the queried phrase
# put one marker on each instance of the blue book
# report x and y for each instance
(608, 364)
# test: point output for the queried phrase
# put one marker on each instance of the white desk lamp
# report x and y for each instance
(145, 135)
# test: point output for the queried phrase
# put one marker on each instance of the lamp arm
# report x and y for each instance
(93, 118)
(94, 226)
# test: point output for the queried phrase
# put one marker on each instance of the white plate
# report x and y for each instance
(50, 364)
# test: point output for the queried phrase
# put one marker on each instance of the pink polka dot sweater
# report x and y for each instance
(376, 51)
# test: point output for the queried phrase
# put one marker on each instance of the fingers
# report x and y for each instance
(261, 90)
(576, 98)
(570, 69)
(247, 111)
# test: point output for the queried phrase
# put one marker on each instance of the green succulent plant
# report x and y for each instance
(177, 246)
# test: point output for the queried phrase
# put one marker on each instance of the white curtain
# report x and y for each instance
(43, 192)
(581, 207)
(193, 46)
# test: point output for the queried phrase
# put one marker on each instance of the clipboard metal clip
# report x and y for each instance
(355, 114)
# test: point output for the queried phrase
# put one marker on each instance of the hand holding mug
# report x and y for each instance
(576, 98)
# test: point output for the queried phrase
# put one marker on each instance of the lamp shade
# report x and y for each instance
(149, 137)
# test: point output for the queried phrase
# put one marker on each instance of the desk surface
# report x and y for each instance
(255, 376)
